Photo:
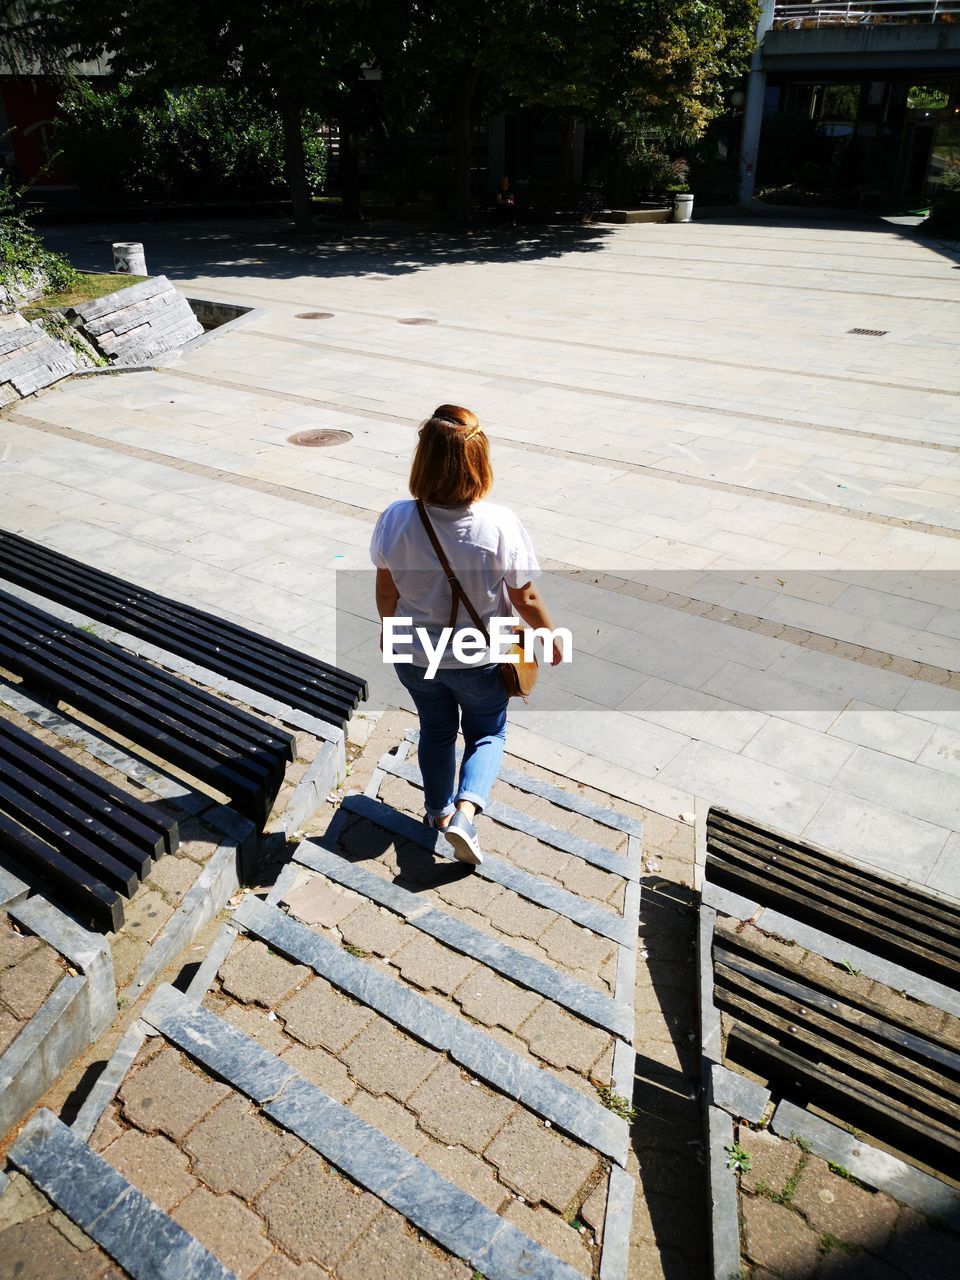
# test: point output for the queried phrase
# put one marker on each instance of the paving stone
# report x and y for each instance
(593, 1211)
(431, 966)
(36, 1250)
(777, 1238)
(391, 1249)
(174, 876)
(24, 988)
(322, 1069)
(169, 1096)
(495, 1001)
(153, 1164)
(555, 1234)
(539, 859)
(575, 947)
(20, 1201)
(107, 1130)
(471, 893)
(374, 929)
(280, 1267)
(772, 1160)
(318, 1015)
(9, 1029)
(467, 1171)
(590, 882)
(231, 1231)
(392, 1119)
(128, 954)
(518, 918)
(317, 902)
(313, 1213)
(235, 1149)
(146, 915)
(256, 975)
(562, 1040)
(253, 1022)
(384, 1061)
(837, 1207)
(538, 1163)
(14, 946)
(922, 1250)
(454, 1110)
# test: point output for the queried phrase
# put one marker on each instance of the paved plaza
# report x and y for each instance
(749, 513)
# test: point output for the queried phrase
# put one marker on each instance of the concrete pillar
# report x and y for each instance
(753, 108)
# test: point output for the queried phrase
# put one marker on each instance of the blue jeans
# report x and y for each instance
(471, 697)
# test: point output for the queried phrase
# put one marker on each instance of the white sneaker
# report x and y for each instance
(461, 835)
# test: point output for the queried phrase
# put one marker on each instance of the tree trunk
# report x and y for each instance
(568, 150)
(462, 142)
(294, 165)
(349, 161)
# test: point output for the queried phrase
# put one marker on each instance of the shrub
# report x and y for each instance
(24, 260)
(191, 140)
(944, 217)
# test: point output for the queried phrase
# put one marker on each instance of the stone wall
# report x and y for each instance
(31, 359)
(134, 324)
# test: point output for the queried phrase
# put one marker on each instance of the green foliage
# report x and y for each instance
(210, 139)
(739, 1160)
(616, 1103)
(23, 257)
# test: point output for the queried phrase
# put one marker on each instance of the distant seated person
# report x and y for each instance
(506, 204)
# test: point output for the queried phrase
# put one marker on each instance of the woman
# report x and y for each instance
(490, 553)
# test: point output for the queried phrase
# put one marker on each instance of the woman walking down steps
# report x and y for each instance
(443, 558)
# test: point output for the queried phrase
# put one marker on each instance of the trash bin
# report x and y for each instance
(683, 208)
(128, 258)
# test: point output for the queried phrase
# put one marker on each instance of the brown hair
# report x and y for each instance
(452, 463)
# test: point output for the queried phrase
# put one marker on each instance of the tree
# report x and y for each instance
(291, 56)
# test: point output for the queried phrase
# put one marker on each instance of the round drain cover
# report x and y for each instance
(315, 315)
(319, 439)
(417, 320)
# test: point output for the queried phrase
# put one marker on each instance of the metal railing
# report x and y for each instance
(832, 13)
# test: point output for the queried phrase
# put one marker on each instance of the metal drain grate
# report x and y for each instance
(314, 315)
(319, 439)
(869, 333)
(417, 320)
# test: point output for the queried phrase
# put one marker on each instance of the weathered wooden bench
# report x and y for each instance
(86, 842)
(213, 741)
(809, 884)
(250, 659)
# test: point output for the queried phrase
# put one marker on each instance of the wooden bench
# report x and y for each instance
(809, 884)
(219, 744)
(65, 829)
(250, 659)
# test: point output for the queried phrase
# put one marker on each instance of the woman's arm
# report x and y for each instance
(387, 597)
(532, 608)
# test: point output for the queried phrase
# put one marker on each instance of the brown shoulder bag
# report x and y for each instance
(519, 676)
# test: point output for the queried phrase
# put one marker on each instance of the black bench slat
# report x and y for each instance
(139, 859)
(231, 650)
(129, 816)
(27, 852)
(222, 745)
(859, 906)
(53, 828)
(150, 683)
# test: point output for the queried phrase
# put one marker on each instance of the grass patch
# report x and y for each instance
(91, 285)
(356, 951)
(738, 1160)
(616, 1103)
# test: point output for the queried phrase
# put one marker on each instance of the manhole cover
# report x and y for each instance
(319, 439)
(314, 315)
(417, 320)
(869, 333)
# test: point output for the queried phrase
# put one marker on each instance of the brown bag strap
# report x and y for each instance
(456, 588)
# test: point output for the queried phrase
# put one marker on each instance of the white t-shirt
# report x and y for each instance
(488, 549)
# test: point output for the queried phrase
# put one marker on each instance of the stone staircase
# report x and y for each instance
(390, 1065)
